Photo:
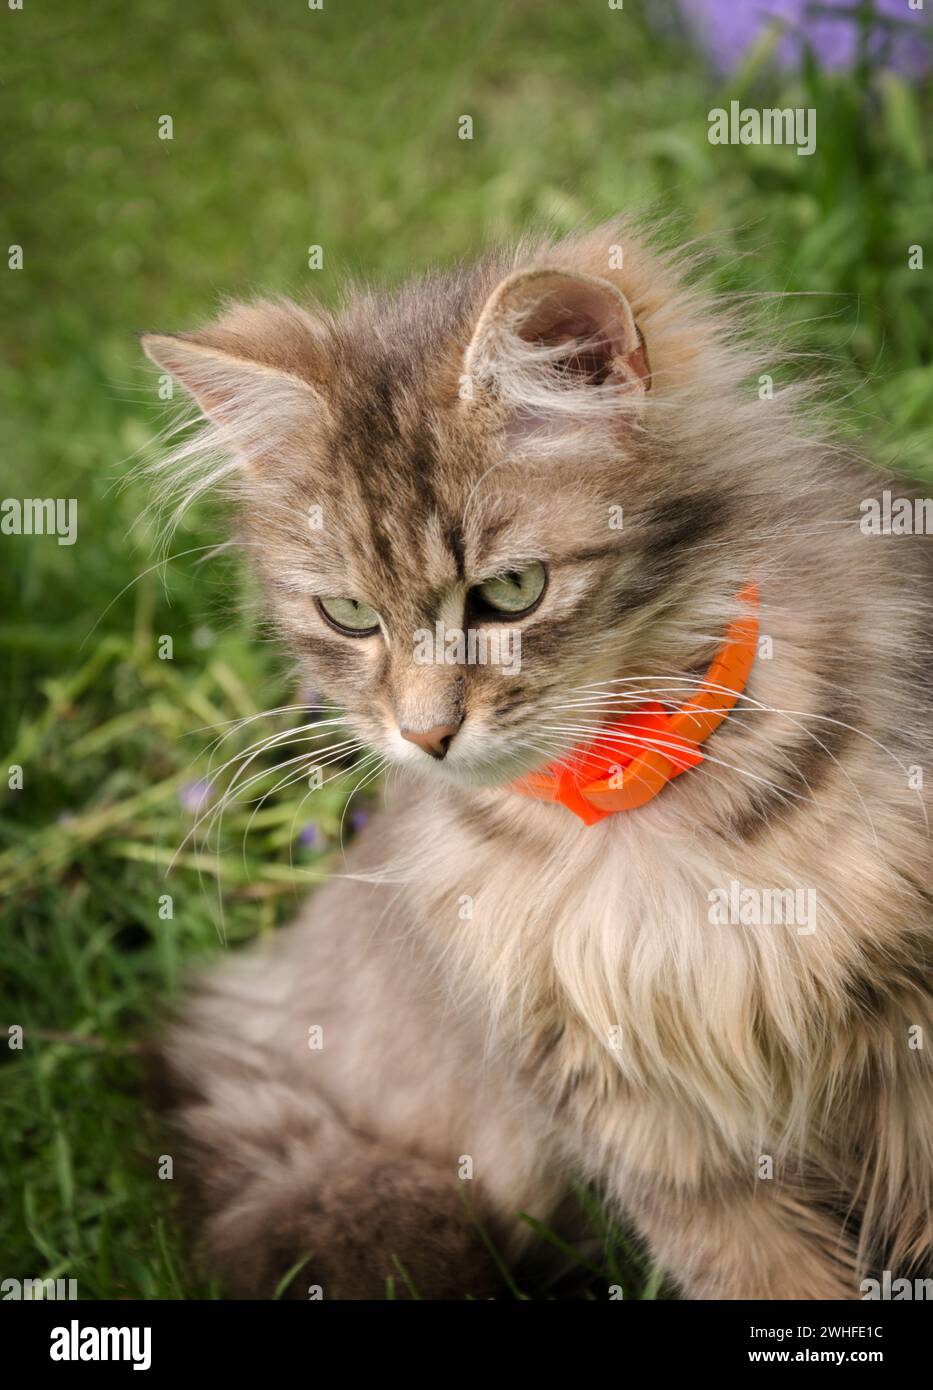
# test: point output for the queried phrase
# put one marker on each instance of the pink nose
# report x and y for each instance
(435, 741)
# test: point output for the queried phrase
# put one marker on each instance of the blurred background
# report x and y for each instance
(295, 127)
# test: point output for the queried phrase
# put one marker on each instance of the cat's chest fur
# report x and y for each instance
(607, 958)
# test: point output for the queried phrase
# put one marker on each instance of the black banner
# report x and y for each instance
(252, 1339)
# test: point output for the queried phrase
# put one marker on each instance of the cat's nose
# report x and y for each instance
(435, 741)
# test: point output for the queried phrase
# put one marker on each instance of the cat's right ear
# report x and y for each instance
(252, 372)
(258, 376)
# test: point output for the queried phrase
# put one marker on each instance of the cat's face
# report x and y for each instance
(453, 606)
(460, 523)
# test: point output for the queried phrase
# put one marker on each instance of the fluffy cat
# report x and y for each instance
(496, 981)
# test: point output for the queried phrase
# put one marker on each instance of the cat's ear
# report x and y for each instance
(257, 365)
(559, 347)
(258, 376)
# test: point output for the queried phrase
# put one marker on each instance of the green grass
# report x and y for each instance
(294, 128)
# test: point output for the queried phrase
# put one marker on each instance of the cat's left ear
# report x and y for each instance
(560, 347)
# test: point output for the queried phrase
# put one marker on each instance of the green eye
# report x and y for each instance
(350, 616)
(515, 593)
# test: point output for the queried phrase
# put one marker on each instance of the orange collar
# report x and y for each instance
(649, 747)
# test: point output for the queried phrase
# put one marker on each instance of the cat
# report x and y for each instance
(561, 440)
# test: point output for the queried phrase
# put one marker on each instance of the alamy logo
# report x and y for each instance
(887, 1287)
(896, 516)
(451, 646)
(770, 126)
(56, 1290)
(77, 1343)
(40, 516)
(740, 906)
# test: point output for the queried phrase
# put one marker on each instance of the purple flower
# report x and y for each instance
(726, 30)
(358, 819)
(194, 794)
(310, 837)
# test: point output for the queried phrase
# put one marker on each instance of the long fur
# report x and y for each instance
(496, 981)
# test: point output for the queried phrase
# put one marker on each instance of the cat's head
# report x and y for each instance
(478, 503)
